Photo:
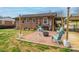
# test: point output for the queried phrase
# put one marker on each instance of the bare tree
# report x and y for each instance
(60, 14)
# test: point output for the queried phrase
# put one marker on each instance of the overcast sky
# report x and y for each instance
(15, 11)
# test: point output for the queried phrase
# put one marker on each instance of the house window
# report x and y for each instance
(27, 20)
(33, 20)
(45, 21)
(8, 22)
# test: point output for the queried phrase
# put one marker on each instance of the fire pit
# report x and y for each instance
(46, 33)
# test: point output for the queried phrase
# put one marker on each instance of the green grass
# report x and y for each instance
(9, 43)
(65, 50)
(42, 47)
(15, 49)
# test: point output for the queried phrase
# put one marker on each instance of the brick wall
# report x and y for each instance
(30, 24)
(0, 22)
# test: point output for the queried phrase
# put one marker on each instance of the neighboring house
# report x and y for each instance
(6, 22)
(74, 23)
(31, 21)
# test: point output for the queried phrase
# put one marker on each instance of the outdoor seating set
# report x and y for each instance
(56, 38)
(45, 33)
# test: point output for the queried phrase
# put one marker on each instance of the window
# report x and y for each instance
(27, 20)
(8, 22)
(45, 21)
(33, 20)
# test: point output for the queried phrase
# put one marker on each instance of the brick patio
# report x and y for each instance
(37, 37)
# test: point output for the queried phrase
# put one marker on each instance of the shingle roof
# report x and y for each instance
(74, 18)
(41, 14)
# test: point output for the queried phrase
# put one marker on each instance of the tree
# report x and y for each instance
(60, 14)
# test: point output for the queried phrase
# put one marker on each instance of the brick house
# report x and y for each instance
(31, 21)
(48, 20)
(7, 22)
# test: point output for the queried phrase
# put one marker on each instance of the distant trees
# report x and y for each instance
(5, 17)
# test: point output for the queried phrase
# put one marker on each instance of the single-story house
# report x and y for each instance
(7, 22)
(74, 23)
(49, 21)
(31, 21)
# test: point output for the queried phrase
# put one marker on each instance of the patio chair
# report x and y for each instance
(61, 30)
(57, 37)
(40, 29)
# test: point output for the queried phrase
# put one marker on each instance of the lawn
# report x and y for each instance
(9, 43)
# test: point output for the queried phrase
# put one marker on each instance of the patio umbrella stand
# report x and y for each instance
(66, 41)
(45, 33)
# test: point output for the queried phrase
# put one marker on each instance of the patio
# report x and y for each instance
(37, 37)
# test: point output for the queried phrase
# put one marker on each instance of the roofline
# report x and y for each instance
(34, 15)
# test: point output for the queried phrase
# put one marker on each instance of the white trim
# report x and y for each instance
(27, 20)
(33, 19)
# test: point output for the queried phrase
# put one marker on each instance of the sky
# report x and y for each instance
(15, 11)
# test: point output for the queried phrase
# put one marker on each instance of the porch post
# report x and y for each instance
(53, 24)
(62, 22)
(76, 25)
(20, 23)
(23, 24)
